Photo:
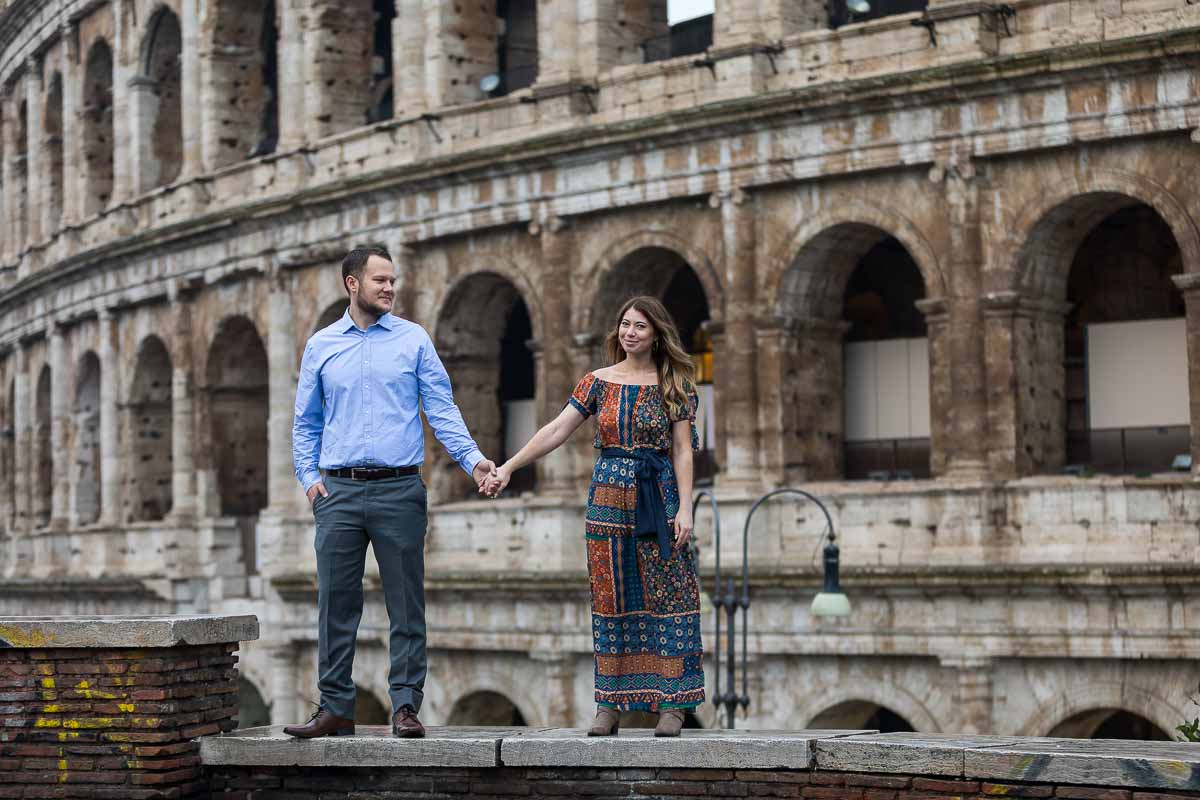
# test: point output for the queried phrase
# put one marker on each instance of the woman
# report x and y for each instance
(645, 595)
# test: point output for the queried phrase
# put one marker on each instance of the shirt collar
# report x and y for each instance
(387, 321)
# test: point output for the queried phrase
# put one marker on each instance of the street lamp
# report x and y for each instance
(830, 601)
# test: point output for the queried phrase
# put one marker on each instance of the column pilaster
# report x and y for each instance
(282, 487)
(22, 463)
(33, 160)
(110, 455)
(1189, 284)
(71, 87)
(183, 477)
(124, 183)
(943, 397)
(8, 175)
(285, 699)
(559, 683)
(60, 454)
(973, 693)
(555, 378)
(735, 378)
(190, 102)
(292, 70)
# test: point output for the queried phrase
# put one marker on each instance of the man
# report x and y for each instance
(357, 447)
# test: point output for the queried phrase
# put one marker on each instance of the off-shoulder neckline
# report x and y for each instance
(615, 383)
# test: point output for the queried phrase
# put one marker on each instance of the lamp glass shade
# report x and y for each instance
(828, 604)
(859, 6)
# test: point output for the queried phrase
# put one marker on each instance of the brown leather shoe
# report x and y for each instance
(670, 721)
(606, 723)
(321, 723)
(405, 724)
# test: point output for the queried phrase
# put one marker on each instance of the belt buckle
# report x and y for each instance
(354, 473)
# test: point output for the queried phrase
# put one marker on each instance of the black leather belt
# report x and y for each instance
(373, 473)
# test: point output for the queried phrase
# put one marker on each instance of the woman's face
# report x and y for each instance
(636, 333)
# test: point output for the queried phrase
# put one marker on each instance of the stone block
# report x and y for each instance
(1088, 762)
(41, 632)
(698, 749)
(905, 753)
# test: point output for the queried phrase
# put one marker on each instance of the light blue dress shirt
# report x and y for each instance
(358, 395)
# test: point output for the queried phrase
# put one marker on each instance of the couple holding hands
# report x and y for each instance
(358, 446)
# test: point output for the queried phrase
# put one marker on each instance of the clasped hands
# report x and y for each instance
(491, 479)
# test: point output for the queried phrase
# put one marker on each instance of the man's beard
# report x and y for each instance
(366, 308)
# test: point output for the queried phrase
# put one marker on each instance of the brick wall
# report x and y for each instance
(111, 722)
(277, 783)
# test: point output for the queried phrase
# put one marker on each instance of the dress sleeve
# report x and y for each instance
(693, 404)
(584, 398)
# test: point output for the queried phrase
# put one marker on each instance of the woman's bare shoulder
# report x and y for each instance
(603, 373)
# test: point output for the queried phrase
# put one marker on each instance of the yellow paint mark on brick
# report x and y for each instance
(21, 638)
(47, 683)
(128, 708)
(62, 763)
(42, 722)
(67, 736)
(82, 685)
(51, 708)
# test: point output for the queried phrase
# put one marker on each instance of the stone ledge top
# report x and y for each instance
(134, 632)
(1088, 762)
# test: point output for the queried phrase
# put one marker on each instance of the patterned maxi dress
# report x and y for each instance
(645, 611)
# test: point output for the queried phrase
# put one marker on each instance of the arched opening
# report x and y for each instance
(381, 61)
(52, 124)
(486, 709)
(1124, 361)
(368, 710)
(43, 491)
(493, 378)
(158, 100)
(686, 29)
(148, 434)
(860, 715)
(97, 116)
(516, 44)
(1109, 723)
(86, 429)
(252, 709)
(854, 359)
(330, 315)
(241, 76)
(237, 407)
(886, 367)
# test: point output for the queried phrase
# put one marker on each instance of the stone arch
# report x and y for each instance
(607, 273)
(473, 336)
(240, 76)
(148, 434)
(253, 711)
(43, 491)
(1109, 723)
(1081, 697)
(860, 715)
(237, 407)
(880, 694)
(485, 708)
(828, 393)
(1046, 243)
(86, 434)
(52, 126)
(491, 685)
(157, 95)
(97, 129)
(1051, 373)
(815, 262)
(332, 313)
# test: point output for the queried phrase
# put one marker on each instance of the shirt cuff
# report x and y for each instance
(473, 458)
(310, 478)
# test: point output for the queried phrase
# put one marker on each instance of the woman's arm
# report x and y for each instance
(681, 459)
(546, 440)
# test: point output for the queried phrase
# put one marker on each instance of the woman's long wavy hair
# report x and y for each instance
(676, 372)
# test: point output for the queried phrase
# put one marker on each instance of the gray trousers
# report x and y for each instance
(389, 515)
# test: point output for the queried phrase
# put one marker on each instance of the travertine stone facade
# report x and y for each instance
(181, 178)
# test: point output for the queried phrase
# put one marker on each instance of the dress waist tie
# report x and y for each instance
(651, 512)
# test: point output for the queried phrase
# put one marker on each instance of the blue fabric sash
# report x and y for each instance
(651, 513)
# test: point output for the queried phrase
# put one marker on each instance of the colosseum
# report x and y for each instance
(939, 265)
